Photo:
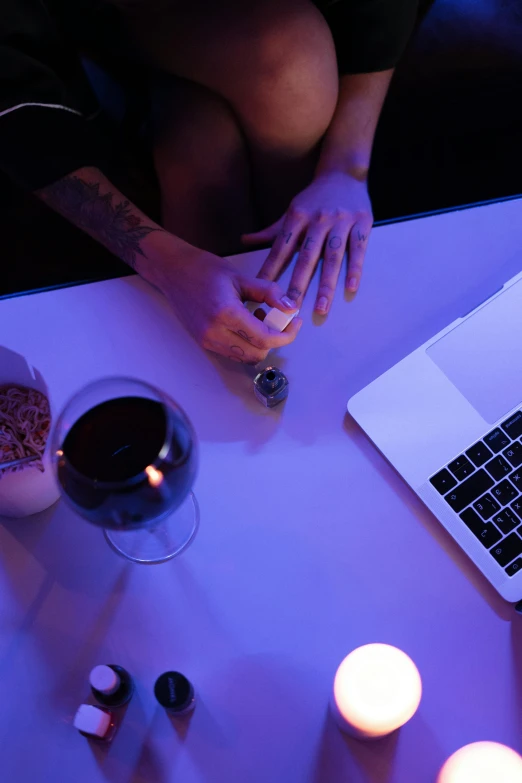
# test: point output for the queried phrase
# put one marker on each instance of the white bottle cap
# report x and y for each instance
(92, 720)
(104, 679)
(278, 320)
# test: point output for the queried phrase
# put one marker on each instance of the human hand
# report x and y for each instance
(208, 294)
(332, 215)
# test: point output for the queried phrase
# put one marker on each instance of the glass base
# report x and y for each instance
(161, 541)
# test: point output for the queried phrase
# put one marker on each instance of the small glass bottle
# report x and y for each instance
(271, 387)
(111, 685)
(95, 723)
(175, 693)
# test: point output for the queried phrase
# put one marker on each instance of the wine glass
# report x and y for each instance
(125, 456)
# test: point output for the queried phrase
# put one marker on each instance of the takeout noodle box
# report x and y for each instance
(29, 490)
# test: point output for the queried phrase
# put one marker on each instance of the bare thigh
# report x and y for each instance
(202, 166)
(272, 61)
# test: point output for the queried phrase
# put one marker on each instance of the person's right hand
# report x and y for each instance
(208, 294)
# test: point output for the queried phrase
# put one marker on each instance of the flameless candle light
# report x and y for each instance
(377, 689)
(482, 762)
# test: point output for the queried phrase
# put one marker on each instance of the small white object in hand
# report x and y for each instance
(482, 762)
(104, 679)
(92, 720)
(377, 689)
(278, 320)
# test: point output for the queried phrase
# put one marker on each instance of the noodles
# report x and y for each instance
(25, 421)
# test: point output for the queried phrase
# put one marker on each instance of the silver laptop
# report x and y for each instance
(448, 417)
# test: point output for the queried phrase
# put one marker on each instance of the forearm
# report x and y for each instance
(348, 143)
(91, 202)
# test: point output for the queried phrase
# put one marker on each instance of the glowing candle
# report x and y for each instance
(154, 475)
(376, 690)
(482, 762)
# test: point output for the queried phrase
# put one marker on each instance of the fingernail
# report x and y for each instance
(352, 284)
(289, 303)
(322, 305)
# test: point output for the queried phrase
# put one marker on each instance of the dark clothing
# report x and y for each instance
(47, 108)
(369, 35)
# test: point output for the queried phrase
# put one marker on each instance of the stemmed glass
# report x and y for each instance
(125, 456)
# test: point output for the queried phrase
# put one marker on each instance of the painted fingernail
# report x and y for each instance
(352, 284)
(287, 302)
(322, 305)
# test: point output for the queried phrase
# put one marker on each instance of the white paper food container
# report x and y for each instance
(29, 490)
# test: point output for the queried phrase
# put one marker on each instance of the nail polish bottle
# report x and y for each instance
(96, 723)
(175, 693)
(111, 685)
(271, 387)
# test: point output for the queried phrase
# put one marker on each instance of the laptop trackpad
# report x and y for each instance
(483, 356)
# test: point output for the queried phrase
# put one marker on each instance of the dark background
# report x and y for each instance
(449, 135)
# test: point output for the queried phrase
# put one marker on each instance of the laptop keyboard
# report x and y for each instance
(484, 487)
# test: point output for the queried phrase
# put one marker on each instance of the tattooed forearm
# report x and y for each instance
(113, 222)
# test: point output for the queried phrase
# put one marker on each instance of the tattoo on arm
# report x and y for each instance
(113, 224)
(361, 237)
(237, 350)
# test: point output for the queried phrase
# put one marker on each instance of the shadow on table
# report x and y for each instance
(130, 757)
(69, 549)
(340, 757)
(344, 758)
(516, 650)
(502, 608)
(64, 578)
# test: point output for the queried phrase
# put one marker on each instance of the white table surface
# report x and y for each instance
(309, 546)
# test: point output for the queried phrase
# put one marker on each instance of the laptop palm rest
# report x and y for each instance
(482, 356)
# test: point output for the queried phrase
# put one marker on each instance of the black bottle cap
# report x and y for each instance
(173, 691)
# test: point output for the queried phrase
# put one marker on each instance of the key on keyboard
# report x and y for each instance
(498, 468)
(486, 533)
(513, 425)
(496, 440)
(461, 467)
(479, 454)
(516, 479)
(517, 507)
(512, 569)
(508, 549)
(505, 492)
(470, 489)
(506, 521)
(513, 453)
(486, 506)
(443, 481)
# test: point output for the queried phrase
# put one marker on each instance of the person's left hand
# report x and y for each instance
(332, 215)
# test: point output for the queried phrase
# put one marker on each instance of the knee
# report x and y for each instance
(194, 130)
(293, 88)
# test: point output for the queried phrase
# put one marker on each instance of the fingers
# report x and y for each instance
(256, 332)
(334, 249)
(357, 245)
(265, 291)
(242, 349)
(308, 259)
(284, 245)
(266, 235)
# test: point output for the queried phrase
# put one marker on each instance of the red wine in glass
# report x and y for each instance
(125, 462)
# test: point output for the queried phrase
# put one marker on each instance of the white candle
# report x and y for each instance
(376, 690)
(482, 762)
